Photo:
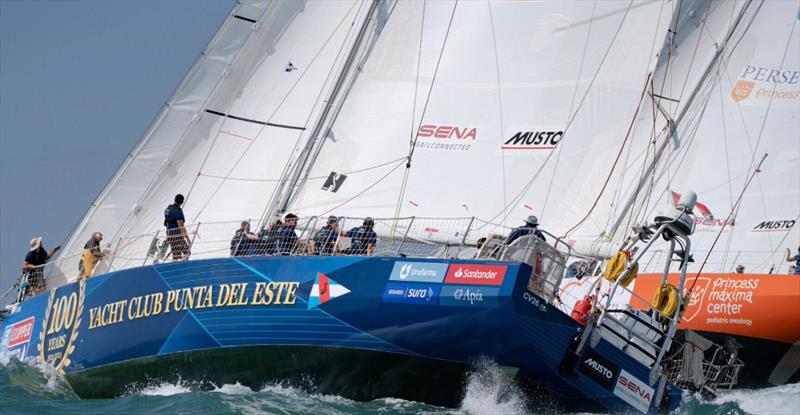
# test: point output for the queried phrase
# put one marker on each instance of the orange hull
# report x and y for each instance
(765, 306)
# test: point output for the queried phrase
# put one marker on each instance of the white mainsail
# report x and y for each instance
(504, 100)
(241, 126)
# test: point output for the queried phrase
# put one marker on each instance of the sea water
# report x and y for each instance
(30, 388)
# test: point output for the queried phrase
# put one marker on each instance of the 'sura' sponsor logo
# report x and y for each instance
(533, 140)
(774, 226)
(475, 274)
(633, 391)
(445, 137)
(407, 293)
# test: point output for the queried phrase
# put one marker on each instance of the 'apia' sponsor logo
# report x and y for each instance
(447, 132)
(633, 391)
(533, 140)
(771, 75)
(20, 332)
(469, 296)
(475, 274)
(774, 226)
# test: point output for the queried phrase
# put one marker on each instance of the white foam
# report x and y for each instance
(235, 389)
(777, 400)
(164, 389)
(490, 391)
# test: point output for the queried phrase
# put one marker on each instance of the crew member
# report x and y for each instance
(33, 265)
(177, 237)
(531, 227)
(283, 240)
(795, 259)
(740, 269)
(363, 238)
(91, 254)
(325, 239)
(243, 241)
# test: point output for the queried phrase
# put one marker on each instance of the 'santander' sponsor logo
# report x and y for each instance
(446, 137)
(633, 391)
(533, 140)
(21, 332)
(478, 274)
(774, 226)
(418, 271)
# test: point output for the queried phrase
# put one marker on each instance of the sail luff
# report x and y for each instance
(282, 203)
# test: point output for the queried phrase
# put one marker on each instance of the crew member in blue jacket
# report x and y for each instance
(325, 239)
(531, 227)
(284, 239)
(177, 237)
(363, 238)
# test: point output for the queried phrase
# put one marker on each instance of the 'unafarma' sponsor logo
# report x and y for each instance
(418, 271)
(774, 226)
(479, 274)
(633, 391)
(533, 140)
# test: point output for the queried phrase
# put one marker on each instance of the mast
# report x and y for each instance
(672, 124)
(284, 193)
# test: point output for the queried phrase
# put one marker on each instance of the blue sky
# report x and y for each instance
(80, 82)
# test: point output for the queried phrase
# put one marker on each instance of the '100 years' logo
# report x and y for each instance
(60, 329)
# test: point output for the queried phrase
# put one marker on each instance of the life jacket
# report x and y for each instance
(616, 266)
(666, 300)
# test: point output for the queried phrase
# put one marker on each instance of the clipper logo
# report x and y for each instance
(20, 332)
(774, 226)
(62, 319)
(633, 391)
(533, 140)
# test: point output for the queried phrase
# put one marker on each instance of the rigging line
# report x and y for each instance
(424, 110)
(151, 129)
(620, 190)
(412, 132)
(357, 195)
(239, 84)
(500, 97)
(725, 223)
(245, 179)
(694, 55)
(571, 104)
(505, 210)
(250, 144)
(616, 159)
(778, 246)
(727, 169)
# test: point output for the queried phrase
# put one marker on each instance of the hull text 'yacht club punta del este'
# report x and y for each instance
(365, 198)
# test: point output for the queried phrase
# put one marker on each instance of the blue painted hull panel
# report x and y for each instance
(456, 311)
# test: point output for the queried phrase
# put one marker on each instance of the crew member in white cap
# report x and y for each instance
(531, 227)
(34, 265)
